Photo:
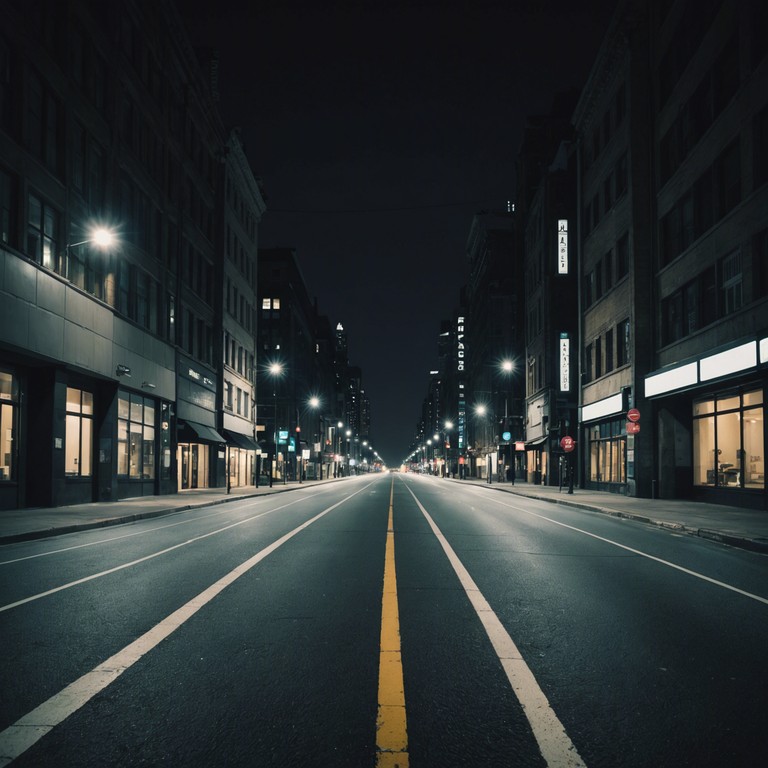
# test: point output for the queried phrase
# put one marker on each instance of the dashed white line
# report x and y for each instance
(19, 737)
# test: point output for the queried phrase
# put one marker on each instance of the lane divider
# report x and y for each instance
(29, 729)
(555, 745)
(391, 727)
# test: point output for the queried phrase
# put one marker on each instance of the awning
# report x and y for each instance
(241, 441)
(536, 443)
(191, 431)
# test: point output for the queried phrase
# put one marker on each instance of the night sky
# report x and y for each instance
(378, 130)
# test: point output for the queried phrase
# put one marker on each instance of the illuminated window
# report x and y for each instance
(275, 303)
(728, 441)
(607, 453)
(8, 400)
(135, 436)
(79, 433)
(266, 303)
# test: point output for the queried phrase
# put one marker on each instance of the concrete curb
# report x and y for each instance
(108, 522)
(740, 542)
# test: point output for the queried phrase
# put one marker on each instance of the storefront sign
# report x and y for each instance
(562, 246)
(460, 351)
(565, 363)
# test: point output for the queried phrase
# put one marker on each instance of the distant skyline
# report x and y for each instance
(378, 131)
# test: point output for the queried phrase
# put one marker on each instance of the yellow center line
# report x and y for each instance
(391, 731)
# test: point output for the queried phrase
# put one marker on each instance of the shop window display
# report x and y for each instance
(728, 444)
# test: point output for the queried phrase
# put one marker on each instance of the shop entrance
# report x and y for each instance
(193, 466)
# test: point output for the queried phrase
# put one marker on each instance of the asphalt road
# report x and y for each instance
(382, 621)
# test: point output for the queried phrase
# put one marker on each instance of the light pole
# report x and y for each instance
(447, 434)
(481, 410)
(507, 367)
(314, 404)
(275, 370)
(348, 434)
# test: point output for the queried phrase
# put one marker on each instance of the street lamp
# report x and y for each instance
(348, 434)
(100, 236)
(481, 410)
(275, 370)
(314, 404)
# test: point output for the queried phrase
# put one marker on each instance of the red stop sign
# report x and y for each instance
(567, 444)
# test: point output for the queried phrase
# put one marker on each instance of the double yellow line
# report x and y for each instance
(391, 731)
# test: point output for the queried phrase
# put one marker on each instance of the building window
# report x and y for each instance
(622, 176)
(135, 436)
(79, 433)
(7, 208)
(761, 147)
(623, 348)
(622, 256)
(728, 445)
(730, 283)
(609, 350)
(42, 234)
(9, 398)
(43, 123)
(760, 262)
(607, 452)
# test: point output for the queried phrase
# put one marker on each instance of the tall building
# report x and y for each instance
(111, 381)
(495, 344)
(547, 205)
(706, 386)
(615, 238)
(239, 213)
(672, 132)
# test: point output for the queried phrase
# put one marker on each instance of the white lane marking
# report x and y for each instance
(140, 560)
(26, 731)
(111, 539)
(634, 551)
(233, 506)
(556, 747)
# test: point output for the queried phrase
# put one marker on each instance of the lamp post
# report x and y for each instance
(507, 367)
(348, 433)
(275, 370)
(448, 427)
(481, 410)
(314, 404)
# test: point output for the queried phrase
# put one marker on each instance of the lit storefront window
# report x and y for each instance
(135, 436)
(728, 446)
(79, 434)
(9, 398)
(607, 452)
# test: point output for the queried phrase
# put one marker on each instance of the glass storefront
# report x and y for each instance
(607, 452)
(193, 465)
(135, 436)
(9, 399)
(79, 433)
(728, 441)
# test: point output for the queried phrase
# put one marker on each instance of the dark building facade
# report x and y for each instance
(707, 386)
(110, 365)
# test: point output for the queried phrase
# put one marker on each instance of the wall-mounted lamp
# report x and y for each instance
(147, 385)
(123, 370)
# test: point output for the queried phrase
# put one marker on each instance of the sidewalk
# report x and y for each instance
(38, 523)
(738, 527)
